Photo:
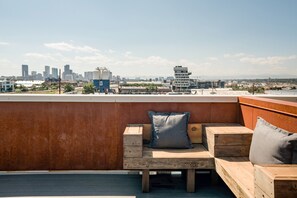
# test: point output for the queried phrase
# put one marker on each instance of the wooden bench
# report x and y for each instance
(225, 148)
(138, 156)
(230, 145)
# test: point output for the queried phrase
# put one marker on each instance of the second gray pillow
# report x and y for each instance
(272, 145)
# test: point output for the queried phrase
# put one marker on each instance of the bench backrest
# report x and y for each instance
(194, 132)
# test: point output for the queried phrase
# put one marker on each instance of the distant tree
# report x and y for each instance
(23, 88)
(88, 88)
(54, 86)
(33, 88)
(43, 86)
(68, 88)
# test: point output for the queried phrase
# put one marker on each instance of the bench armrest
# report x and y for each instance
(132, 141)
(227, 139)
(275, 180)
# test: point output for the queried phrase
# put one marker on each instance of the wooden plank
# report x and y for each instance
(133, 135)
(147, 131)
(145, 180)
(233, 139)
(228, 135)
(227, 140)
(132, 151)
(277, 180)
(198, 151)
(132, 140)
(191, 173)
(168, 163)
(238, 174)
(227, 151)
(133, 129)
(194, 132)
(259, 193)
(231, 151)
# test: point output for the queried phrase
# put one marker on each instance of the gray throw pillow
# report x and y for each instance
(272, 145)
(170, 130)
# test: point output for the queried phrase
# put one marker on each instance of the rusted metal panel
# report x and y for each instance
(282, 114)
(86, 136)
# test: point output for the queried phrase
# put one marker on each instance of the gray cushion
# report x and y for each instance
(170, 130)
(272, 145)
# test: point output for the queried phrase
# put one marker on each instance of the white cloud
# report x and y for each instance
(111, 51)
(62, 46)
(237, 55)
(40, 56)
(85, 58)
(254, 60)
(271, 60)
(129, 60)
(4, 43)
(128, 53)
(4, 61)
(212, 59)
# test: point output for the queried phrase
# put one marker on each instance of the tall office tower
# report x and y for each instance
(55, 73)
(34, 75)
(67, 71)
(182, 80)
(46, 73)
(25, 72)
(88, 76)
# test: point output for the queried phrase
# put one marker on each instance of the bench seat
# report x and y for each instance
(137, 156)
(238, 174)
(195, 158)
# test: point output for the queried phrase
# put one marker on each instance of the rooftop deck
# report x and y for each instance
(56, 133)
(104, 184)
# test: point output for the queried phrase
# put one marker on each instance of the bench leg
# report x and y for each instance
(191, 180)
(145, 180)
(214, 177)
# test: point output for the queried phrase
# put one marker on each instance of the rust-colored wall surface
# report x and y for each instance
(282, 114)
(82, 136)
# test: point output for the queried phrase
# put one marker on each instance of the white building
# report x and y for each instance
(29, 83)
(102, 73)
(182, 80)
(88, 76)
(6, 85)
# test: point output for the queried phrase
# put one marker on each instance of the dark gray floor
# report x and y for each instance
(106, 185)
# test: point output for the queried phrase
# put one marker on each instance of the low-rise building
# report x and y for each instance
(6, 85)
(182, 80)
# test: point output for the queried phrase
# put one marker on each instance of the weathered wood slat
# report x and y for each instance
(145, 180)
(196, 158)
(227, 140)
(133, 135)
(232, 151)
(191, 173)
(198, 151)
(276, 181)
(168, 163)
(238, 174)
(259, 193)
(194, 132)
(132, 151)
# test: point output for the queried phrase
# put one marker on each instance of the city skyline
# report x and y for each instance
(148, 38)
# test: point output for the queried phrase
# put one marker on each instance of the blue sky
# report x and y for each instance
(213, 38)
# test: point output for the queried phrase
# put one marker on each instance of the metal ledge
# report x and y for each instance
(116, 98)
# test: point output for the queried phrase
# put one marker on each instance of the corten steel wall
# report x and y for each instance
(282, 114)
(83, 135)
